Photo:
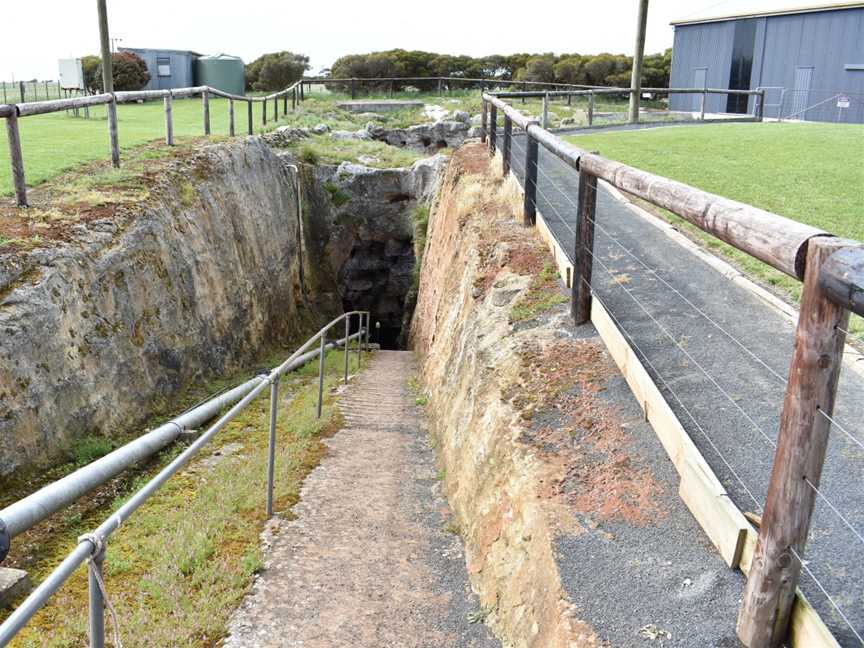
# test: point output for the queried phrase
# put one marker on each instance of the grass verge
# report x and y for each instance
(812, 173)
(323, 149)
(179, 567)
(544, 292)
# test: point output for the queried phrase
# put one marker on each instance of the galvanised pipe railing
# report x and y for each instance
(92, 546)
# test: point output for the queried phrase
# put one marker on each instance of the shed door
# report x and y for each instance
(801, 91)
(700, 80)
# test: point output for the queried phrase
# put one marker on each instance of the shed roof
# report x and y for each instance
(733, 9)
(220, 57)
(158, 50)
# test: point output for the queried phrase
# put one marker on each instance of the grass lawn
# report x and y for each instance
(812, 173)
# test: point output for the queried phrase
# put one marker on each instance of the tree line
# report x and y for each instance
(582, 69)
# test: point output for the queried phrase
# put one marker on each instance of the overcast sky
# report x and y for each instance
(38, 32)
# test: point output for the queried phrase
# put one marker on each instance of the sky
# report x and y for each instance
(38, 32)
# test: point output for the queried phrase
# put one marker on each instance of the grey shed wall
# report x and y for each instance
(826, 41)
(182, 63)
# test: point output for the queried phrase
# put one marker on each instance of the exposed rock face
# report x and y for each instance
(424, 137)
(198, 281)
(478, 264)
(364, 231)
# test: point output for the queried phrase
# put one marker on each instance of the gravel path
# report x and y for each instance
(367, 562)
(728, 401)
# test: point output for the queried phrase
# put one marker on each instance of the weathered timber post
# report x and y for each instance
(231, 117)
(524, 89)
(302, 91)
(249, 116)
(285, 104)
(483, 120)
(493, 119)
(16, 159)
(580, 304)
(21, 87)
(112, 132)
(108, 80)
(505, 150)
(392, 83)
(529, 207)
(353, 88)
(59, 95)
(636, 72)
(347, 335)
(440, 87)
(591, 108)
(294, 99)
(205, 101)
(169, 119)
(569, 99)
(810, 391)
(545, 122)
(702, 105)
(760, 106)
(264, 111)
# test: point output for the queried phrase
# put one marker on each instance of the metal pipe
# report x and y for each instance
(97, 600)
(271, 455)
(321, 375)
(347, 333)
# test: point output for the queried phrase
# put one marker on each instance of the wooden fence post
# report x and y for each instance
(16, 159)
(169, 119)
(230, 117)
(505, 149)
(353, 88)
(275, 108)
(702, 105)
(264, 111)
(493, 119)
(249, 116)
(483, 120)
(529, 207)
(21, 87)
(590, 109)
(524, 89)
(302, 92)
(285, 104)
(294, 99)
(545, 122)
(580, 303)
(205, 100)
(812, 386)
(112, 132)
(440, 87)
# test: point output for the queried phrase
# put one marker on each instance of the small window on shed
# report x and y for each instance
(163, 66)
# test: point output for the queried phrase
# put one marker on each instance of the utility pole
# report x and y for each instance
(636, 78)
(108, 80)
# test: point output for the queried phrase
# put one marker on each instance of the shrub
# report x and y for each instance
(128, 70)
(309, 155)
(275, 71)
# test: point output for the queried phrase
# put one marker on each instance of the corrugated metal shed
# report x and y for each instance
(168, 68)
(734, 9)
(812, 61)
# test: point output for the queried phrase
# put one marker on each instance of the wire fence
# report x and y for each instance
(24, 91)
(726, 381)
(834, 106)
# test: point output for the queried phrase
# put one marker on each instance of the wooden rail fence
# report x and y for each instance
(832, 272)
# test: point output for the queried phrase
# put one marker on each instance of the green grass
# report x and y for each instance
(812, 173)
(54, 143)
(323, 149)
(543, 293)
(180, 565)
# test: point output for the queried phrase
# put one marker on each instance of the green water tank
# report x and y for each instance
(222, 71)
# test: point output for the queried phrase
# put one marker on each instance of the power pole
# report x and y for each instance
(636, 78)
(108, 80)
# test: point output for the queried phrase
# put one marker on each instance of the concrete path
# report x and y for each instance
(367, 562)
(723, 371)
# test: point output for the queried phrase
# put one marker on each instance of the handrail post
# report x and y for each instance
(760, 102)
(169, 118)
(359, 339)
(231, 117)
(505, 151)
(285, 103)
(353, 88)
(529, 206)
(321, 373)
(591, 108)
(264, 111)
(493, 122)
(302, 91)
(16, 159)
(483, 119)
(205, 100)
(275, 108)
(271, 451)
(368, 328)
(702, 106)
(249, 116)
(347, 335)
(294, 99)
(803, 438)
(580, 303)
(545, 122)
(97, 600)
(112, 132)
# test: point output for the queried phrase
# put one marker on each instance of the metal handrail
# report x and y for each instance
(92, 546)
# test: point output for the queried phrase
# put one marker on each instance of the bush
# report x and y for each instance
(275, 71)
(309, 155)
(128, 70)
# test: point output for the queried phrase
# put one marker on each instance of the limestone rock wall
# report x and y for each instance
(478, 263)
(199, 280)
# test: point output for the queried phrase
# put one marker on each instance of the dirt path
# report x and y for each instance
(367, 561)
